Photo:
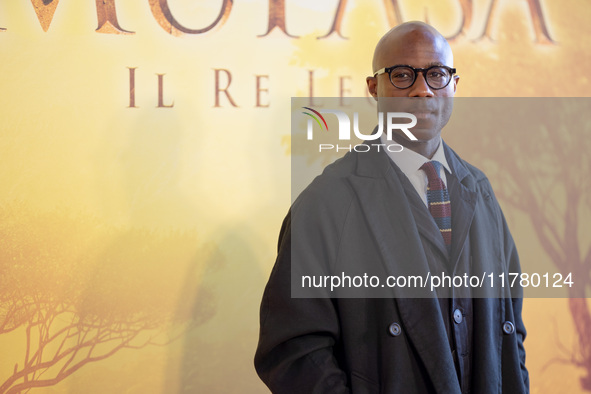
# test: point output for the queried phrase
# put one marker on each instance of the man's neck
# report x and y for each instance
(424, 148)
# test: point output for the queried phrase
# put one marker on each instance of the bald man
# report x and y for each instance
(423, 209)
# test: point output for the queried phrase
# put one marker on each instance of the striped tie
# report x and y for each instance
(438, 200)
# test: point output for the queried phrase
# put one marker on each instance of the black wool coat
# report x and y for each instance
(356, 214)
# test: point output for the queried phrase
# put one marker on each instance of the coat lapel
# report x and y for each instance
(488, 305)
(463, 197)
(389, 216)
(423, 219)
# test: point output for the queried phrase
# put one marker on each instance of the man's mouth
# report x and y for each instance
(422, 114)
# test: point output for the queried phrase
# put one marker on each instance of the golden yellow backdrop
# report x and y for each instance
(145, 172)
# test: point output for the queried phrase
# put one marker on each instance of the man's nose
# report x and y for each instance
(420, 87)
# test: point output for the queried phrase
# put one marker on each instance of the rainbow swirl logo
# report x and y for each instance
(315, 118)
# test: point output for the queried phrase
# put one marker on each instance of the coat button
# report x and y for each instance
(458, 316)
(508, 327)
(394, 329)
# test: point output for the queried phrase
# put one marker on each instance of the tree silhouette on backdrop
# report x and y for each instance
(536, 153)
(75, 302)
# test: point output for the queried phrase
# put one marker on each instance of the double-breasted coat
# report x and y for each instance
(355, 214)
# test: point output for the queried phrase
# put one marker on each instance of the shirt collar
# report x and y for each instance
(409, 161)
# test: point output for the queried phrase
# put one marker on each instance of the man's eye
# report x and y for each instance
(437, 74)
(401, 75)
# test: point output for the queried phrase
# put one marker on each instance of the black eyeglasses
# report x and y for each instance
(403, 77)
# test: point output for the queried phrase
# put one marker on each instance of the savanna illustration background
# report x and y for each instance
(145, 172)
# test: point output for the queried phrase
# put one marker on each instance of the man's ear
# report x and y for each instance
(372, 87)
(456, 81)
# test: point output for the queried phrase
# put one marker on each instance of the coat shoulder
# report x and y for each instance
(477, 174)
(331, 189)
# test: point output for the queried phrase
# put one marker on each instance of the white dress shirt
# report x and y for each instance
(410, 163)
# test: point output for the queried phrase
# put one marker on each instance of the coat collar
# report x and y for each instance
(458, 168)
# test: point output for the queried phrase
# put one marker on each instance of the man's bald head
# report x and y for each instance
(410, 35)
(420, 47)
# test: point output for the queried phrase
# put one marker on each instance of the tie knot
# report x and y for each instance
(432, 168)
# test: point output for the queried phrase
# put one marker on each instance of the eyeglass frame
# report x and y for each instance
(416, 71)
